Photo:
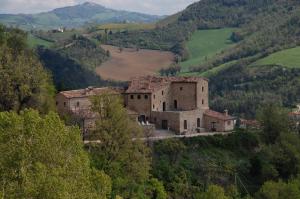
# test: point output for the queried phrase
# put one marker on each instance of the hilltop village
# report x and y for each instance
(176, 104)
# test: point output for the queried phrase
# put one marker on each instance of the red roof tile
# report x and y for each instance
(90, 92)
(217, 115)
(149, 84)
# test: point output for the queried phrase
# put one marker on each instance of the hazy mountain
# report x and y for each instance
(74, 16)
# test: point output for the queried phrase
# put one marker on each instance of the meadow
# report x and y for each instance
(204, 44)
(289, 58)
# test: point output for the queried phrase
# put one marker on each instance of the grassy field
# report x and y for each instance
(34, 42)
(217, 69)
(288, 58)
(130, 63)
(210, 72)
(126, 26)
(205, 44)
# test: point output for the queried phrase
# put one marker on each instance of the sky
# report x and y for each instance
(157, 7)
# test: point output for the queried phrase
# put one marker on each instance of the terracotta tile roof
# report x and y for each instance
(297, 113)
(90, 92)
(149, 84)
(251, 123)
(217, 115)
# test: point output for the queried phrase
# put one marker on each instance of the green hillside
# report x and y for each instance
(35, 41)
(205, 44)
(288, 58)
(74, 17)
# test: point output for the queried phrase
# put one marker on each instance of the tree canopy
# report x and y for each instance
(43, 158)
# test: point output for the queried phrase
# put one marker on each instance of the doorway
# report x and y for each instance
(164, 124)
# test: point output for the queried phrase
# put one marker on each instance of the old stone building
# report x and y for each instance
(179, 104)
(76, 104)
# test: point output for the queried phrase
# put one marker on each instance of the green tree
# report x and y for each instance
(121, 154)
(274, 122)
(24, 82)
(42, 158)
(279, 190)
(214, 192)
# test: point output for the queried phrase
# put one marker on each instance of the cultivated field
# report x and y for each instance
(130, 63)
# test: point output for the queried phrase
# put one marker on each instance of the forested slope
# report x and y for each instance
(263, 27)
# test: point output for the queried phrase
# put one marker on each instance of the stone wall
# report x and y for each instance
(140, 103)
(220, 125)
(185, 94)
(176, 120)
(202, 95)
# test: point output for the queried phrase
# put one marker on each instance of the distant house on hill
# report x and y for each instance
(179, 104)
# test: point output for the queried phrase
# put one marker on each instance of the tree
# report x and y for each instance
(24, 82)
(279, 190)
(274, 122)
(42, 158)
(214, 192)
(121, 154)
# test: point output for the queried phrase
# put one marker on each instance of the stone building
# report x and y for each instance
(179, 104)
(76, 104)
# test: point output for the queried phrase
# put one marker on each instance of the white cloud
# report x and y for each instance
(159, 7)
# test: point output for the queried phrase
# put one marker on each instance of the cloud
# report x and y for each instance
(159, 7)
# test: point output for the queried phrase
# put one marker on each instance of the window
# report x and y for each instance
(153, 106)
(65, 104)
(202, 88)
(56, 103)
(202, 101)
(153, 96)
(77, 104)
(181, 88)
(162, 93)
(131, 96)
(146, 96)
(198, 122)
(185, 124)
(175, 104)
(164, 106)
(139, 96)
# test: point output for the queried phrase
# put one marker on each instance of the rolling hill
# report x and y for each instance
(74, 16)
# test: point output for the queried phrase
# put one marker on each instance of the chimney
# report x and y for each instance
(226, 112)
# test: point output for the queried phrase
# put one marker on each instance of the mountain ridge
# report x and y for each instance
(74, 17)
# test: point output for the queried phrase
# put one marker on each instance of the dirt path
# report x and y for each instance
(130, 63)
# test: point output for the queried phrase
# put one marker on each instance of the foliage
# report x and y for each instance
(24, 82)
(42, 158)
(278, 190)
(67, 74)
(274, 122)
(173, 70)
(240, 163)
(83, 51)
(124, 159)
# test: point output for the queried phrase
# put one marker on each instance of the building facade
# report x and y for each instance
(178, 104)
